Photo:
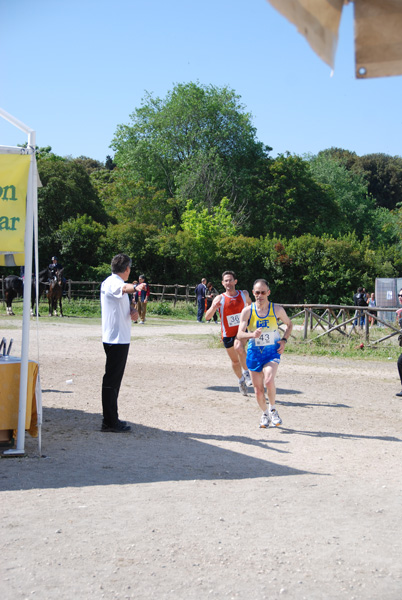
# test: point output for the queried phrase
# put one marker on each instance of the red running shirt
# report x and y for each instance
(230, 308)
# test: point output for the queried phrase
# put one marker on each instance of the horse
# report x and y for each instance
(43, 278)
(14, 286)
(55, 293)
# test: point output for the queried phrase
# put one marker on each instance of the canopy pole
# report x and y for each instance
(28, 244)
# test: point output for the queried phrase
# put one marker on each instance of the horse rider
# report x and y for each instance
(54, 267)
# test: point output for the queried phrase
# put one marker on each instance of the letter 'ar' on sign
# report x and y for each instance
(8, 224)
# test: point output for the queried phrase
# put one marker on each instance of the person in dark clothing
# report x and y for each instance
(142, 299)
(211, 293)
(359, 299)
(54, 266)
(399, 318)
(200, 292)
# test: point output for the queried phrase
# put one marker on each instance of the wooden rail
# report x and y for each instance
(328, 318)
(336, 318)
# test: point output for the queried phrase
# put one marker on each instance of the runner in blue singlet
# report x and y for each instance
(259, 325)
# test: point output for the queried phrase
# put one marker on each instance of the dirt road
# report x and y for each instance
(197, 502)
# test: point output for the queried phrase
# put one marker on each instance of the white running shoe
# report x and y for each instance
(265, 420)
(247, 378)
(243, 387)
(275, 418)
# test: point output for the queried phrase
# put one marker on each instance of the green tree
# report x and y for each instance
(195, 143)
(345, 157)
(81, 243)
(67, 193)
(384, 176)
(292, 203)
(356, 206)
(89, 164)
(201, 234)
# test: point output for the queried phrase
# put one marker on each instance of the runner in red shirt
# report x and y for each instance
(230, 304)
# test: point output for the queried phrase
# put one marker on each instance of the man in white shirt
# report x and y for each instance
(117, 314)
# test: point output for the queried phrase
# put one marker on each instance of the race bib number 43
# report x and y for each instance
(266, 339)
(233, 320)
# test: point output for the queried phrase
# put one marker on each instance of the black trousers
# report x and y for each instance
(116, 358)
(399, 363)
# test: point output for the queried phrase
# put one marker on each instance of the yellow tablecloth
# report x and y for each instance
(10, 391)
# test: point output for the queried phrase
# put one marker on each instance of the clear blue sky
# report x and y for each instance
(73, 70)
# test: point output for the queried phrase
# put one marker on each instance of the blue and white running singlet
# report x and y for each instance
(263, 350)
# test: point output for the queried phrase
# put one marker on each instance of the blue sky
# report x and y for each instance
(73, 70)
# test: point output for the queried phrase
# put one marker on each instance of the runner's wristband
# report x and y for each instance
(284, 340)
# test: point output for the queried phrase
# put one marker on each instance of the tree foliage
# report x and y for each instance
(197, 143)
(191, 192)
(67, 193)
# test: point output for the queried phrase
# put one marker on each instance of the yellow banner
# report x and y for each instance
(14, 170)
(12, 260)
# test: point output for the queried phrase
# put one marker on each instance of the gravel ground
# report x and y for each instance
(196, 501)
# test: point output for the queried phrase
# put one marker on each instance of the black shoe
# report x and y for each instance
(399, 394)
(120, 427)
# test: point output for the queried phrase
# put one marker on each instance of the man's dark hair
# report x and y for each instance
(261, 281)
(141, 277)
(120, 262)
(229, 273)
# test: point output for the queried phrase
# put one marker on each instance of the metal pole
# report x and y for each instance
(28, 244)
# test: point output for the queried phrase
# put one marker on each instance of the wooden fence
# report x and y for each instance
(344, 320)
(329, 319)
(90, 290)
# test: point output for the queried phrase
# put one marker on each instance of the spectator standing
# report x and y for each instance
(371, 303)
(200, 292)
(211, 293)
(142, 299)
(359, 299)
(134, 300)
(117, 315)
(399, 319)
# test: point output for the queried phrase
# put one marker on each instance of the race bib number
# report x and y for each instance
(233, 320)
(266, 339)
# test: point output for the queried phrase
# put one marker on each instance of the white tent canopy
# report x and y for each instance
(31, 217)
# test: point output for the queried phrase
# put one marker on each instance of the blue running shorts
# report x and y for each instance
(258, 357)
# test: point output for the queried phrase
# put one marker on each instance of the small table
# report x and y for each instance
(10, 368)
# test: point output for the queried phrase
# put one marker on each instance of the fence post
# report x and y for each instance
(69, 290)
(367, 328)
(176, 289)
(163, 292)
(306, 319)
(187, 293)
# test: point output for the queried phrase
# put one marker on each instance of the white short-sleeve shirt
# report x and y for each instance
(116, 320)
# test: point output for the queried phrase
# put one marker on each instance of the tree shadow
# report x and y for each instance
(345, 436)
(75, 453)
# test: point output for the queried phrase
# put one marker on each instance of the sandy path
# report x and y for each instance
(198, 502)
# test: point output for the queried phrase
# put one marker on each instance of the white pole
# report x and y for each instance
(16, 122)
(28, 244)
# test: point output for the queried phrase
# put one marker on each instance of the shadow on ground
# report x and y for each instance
(146, 454)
